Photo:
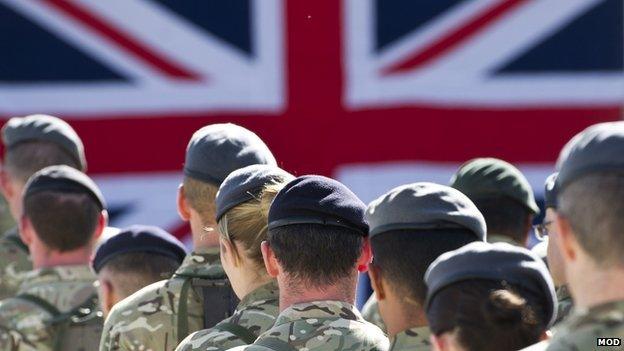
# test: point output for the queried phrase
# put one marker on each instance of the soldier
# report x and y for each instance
(410, 226)
(134, 258)
(489, 297)
(56, 307)
(159, 316)
(548, 231)
(30, 144)
(243, 203)
(589, 222)
(317, 242)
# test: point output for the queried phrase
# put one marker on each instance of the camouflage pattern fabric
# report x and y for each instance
(148, 319)
(414, 339)
(581, 330)
(497, 238)
(370, 312)
(14, 263)
(324, 325)
(25, 326)
(256, 312)
(564, 303)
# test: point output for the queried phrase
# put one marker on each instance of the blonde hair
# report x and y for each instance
(201, 196)
(247, 223)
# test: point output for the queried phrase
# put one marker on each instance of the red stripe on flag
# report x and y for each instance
(123, 40)
(452, 39)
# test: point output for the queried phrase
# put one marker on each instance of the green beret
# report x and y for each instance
(484, 178)
(217, 150)
(44, 128)
(423, 206)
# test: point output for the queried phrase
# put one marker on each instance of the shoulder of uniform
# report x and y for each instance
(140, 297)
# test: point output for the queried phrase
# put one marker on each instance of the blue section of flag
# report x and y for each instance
(592, 42)
(31, 54)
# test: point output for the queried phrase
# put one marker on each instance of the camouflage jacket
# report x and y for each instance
(497, 238)
(25, 325)
(256, 312)
(323, 325)
(413, 339)
(564, 303)
(584, 326)
(14, 263)
(148, 319)
(370, 312)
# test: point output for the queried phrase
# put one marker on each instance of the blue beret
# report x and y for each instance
(64, 179)
(424, 206)
(497, 262)
(135, 239)
(599, 148)
(316, 199)
(551, 190)
(217, 150)
(44, 128)
(245, 184)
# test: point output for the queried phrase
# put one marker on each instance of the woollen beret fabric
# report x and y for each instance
(599, 148)
(44, 128)
(498, 262)
(217, 150)
(314, 199)
(551, 190)
(245, 184)
(135, 239)
(64, 179)
(423, 206)
(483, 178)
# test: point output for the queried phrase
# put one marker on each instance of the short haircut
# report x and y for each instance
(505, 216)
(594, 205)
(201, 196)
(403, 256)
(63, 221)
(315, 254)
(487, 315)
(128, 276)
(26, 158)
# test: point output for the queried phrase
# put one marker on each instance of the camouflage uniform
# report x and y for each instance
(26, 326)
(370, 312)
(148, 319)
(496, 238)
(14, 263)
(414, 339)
(564, 303)
(256, 312)
(323, 325)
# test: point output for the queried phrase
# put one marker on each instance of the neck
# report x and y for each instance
(54, 258)
(403, 317)
(249, 286)
(593, 286)
(302, 293)
(203, 239)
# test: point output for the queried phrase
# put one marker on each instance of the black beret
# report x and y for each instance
(599, 148)
(316, 199)
(424, 206)
(245, 184)
(44, 128)
(551, 190)
(138, 238)
(499, 262)
(64, 179)
(217, 150)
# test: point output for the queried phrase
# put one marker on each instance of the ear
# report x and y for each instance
(527, 228)
(26, 230)
(6, 186)
(107, 295)
(102, 223)
(375, 277)
(183, 208)
(270, 261)
(568, 245)
(229, 252)
(438, 343)
(365, 257)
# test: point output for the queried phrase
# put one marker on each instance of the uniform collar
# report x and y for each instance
(319, 310)
(260, 295)
(412, 339)
(497, 238)
(204, 264)
(563, 293)
(44, 276)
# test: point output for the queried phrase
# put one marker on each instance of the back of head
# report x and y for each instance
(505, 216)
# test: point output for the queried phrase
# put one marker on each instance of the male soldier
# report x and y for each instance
(160, 315)
(548, 230)
(589, 222)
(132, 259)
(316, 244)
(56, 307)
(30, 144)
(411, 226)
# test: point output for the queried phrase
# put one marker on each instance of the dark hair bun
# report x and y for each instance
(504, 309)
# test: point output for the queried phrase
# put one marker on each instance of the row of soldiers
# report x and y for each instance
(276, 258)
